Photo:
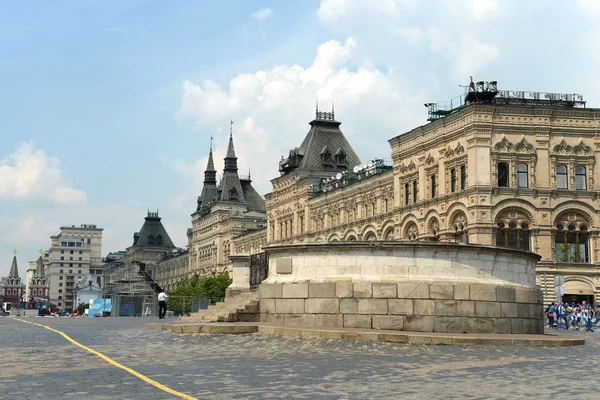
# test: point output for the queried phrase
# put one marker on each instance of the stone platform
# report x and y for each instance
(418, 338)
(411, 286)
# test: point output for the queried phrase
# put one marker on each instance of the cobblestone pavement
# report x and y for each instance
(40, 364)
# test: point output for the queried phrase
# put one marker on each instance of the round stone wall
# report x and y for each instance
(423, 287)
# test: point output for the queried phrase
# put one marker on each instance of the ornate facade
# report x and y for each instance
(512, 175)
(233, 209)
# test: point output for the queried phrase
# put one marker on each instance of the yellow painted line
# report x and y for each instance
(116, 364)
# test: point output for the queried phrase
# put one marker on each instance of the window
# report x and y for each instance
(62, 252)
(415, 191)
(433, 186)
(503, 172)
(62, 258)
(463, 177)
(580, 175)
(60, 278)
(453, 180)
(71, 251)
(80, 251)
(233, 194)
(512, 235)
(79, 244)
(89, 241)
(59, 290)
(572, 244)
(561, 177)
(522, 178)
(61, 271)
(61, 264)
(80, 258)
(406, 194)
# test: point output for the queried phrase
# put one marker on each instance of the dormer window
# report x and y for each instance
(233, 195)
(151, 239)
(326, 158)
(159, 239)
(340, 157)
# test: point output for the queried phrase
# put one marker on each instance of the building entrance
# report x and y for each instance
(578, 298)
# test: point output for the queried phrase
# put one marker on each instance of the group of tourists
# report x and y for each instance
(572, 316)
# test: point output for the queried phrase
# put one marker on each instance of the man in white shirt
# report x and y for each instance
(162, 304)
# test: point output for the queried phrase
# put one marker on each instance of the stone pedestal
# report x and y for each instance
(425, 287)
(241, 274)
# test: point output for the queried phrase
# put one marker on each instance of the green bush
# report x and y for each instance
(212, 287)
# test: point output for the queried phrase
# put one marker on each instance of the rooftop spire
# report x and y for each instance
(230, 150)
(14, 270)
(210, 166)
(39, 269)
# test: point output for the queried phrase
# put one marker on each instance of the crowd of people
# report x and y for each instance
(572, 316)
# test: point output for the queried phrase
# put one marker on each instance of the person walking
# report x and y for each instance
(162, 304)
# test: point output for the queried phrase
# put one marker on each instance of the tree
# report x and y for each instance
(81, 307)
(212, 287)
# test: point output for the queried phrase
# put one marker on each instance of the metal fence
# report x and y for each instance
(147, 306)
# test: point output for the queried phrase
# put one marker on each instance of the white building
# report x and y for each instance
(75, 252)
(87, 289)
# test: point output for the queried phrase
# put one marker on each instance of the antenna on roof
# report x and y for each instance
(231, 129)
(211, 140)
(332, 109)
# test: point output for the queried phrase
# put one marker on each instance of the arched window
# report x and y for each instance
(411, 231)
(406, 194)
(459, 224)
(370, 237)
(522, 177)
(34, 292)
(580, 178)
(351, 238)
(512, 230)
(571, 243)
(463, 177)
(503, 173)
(389, 234)
(433, 186)
(561, 177)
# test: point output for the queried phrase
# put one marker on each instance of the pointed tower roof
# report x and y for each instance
(325, 149)
(39, 269)
(231, 187)
(14, 270)
(153, 234)
(210, 192)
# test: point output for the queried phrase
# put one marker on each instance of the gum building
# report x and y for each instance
(512, 169)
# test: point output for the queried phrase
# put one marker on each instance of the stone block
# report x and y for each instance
(299, 319)
(461, 292)
(295, 291)
(372, 306)
(289, 306)
(525, 310)
(482, 292)
(423, 307)
(322, 306)
(418, 323)
(348, 306)
(343, 290)
(515, 325)
(407, 290)
(509, 310)
(529, 326)
(440, 291)
(444, 308)
(449, 324)
(388, 322)
(363, 290)
(479, 325)
(384, 290)
(465, 308)
(400, 306)
(524, 295)
(283, 265)
(270, 291)
(502, 325)
(267, 306)
(322, 290)
(488, 309)
(357, 321)
(329, 320)
(272, 318)
(505, 294)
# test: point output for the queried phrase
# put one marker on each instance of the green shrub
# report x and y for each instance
(212, 287)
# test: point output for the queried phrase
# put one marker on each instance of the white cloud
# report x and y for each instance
(29, 173)
(262, 14)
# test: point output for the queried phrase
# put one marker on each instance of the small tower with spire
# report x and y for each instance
(13, 286)
(210, 192)
(231, 187)
(39, 287)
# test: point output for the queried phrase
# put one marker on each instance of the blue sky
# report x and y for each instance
(107, 106)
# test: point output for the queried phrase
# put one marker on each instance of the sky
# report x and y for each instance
(107, 107)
